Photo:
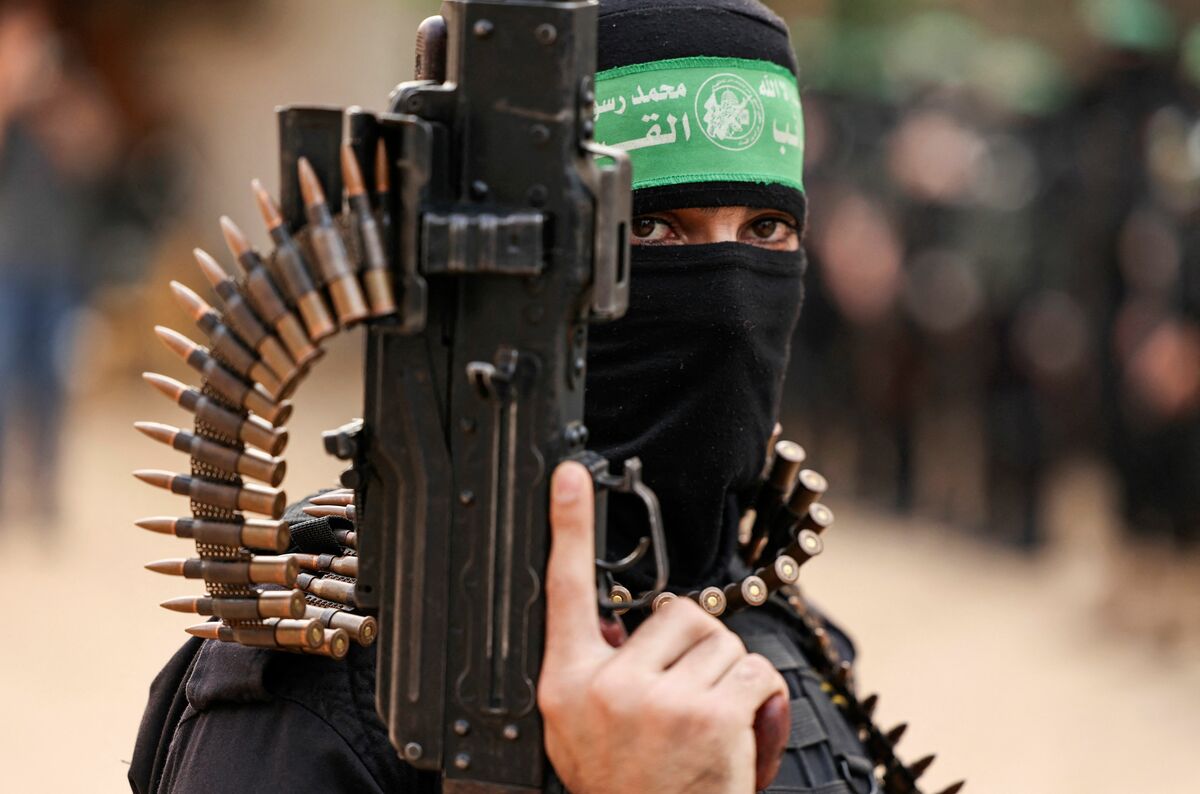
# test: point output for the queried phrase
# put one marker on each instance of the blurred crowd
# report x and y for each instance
(1005, 264)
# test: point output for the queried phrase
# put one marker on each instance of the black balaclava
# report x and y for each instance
(690, 379)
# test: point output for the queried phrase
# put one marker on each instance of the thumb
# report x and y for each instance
(572, 619)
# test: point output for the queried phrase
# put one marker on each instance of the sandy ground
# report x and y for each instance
(1001, 665)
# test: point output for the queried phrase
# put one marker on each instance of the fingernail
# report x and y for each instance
(567, 484)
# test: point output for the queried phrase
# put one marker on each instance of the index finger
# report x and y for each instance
(572, 618)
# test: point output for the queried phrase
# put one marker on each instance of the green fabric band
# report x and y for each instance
(704, 120)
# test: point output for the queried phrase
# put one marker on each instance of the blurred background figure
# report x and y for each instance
(78, 208)
(997, 367)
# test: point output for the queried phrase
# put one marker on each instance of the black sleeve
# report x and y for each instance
(164, 709)
(275, 746)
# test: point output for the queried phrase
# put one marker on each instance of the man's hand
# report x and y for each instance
(675, 709)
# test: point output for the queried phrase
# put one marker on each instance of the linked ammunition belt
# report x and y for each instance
(779, 534)
(333, 273)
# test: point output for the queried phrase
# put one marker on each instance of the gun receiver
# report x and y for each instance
(506, 238)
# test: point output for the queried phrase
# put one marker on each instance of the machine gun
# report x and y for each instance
(479, 236)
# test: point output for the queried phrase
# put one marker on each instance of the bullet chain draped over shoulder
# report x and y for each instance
(777, 536)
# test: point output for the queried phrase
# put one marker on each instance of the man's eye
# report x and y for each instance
(767, 228)
(771, 230)
(650, 229)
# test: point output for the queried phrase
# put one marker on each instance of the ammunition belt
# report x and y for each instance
(262, 341)
(779, 534)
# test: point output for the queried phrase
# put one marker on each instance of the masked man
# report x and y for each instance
(703, 96)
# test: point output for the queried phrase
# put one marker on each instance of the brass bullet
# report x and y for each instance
(789, 456)
(819, 518)
(245, 323)
(335, 643)
(333, 498)
(919, 768)
(342, 566)
(661, 600)
(290, 270)
(321, 511)
(808, 544)
(346, 537)
(254, 498)
(271, 633)
(256, 570)
(711, 600)
(619, 594)
(376, 276)
(265, 297)
(267, 604)
(363, 629)
(253, 533)
(249, 429)
(810, 486)
(329, 589)
(249, 462)
(332, 259)
(895, 734)
(783, 570)
(224, 344)
(772, 494)
(231, 387)
(750, 592)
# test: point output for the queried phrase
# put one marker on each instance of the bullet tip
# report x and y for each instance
(161, 524)
(351, 173)
(207, 631)
(181, 604)
(169, 567)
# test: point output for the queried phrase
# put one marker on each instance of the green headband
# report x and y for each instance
(689, 120)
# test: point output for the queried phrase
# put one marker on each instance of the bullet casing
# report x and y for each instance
(251, 429)
(267, 301)
(269, 604)
(235, 390)
(335, 643)
(750, 592)
(376, 278)
(818, 518)
(249, 462)
(783, 570)
(252, 533)
(254, 498)
(711, 600)
(810, 486)
(773, 492)
(246, 324)
(619, 594)
(256, 570)
(329, 589)
(334, 263)
(363, 629)
(227, 347)
(808, 544)
(342, 566)
(662, 599)
(288, 267)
